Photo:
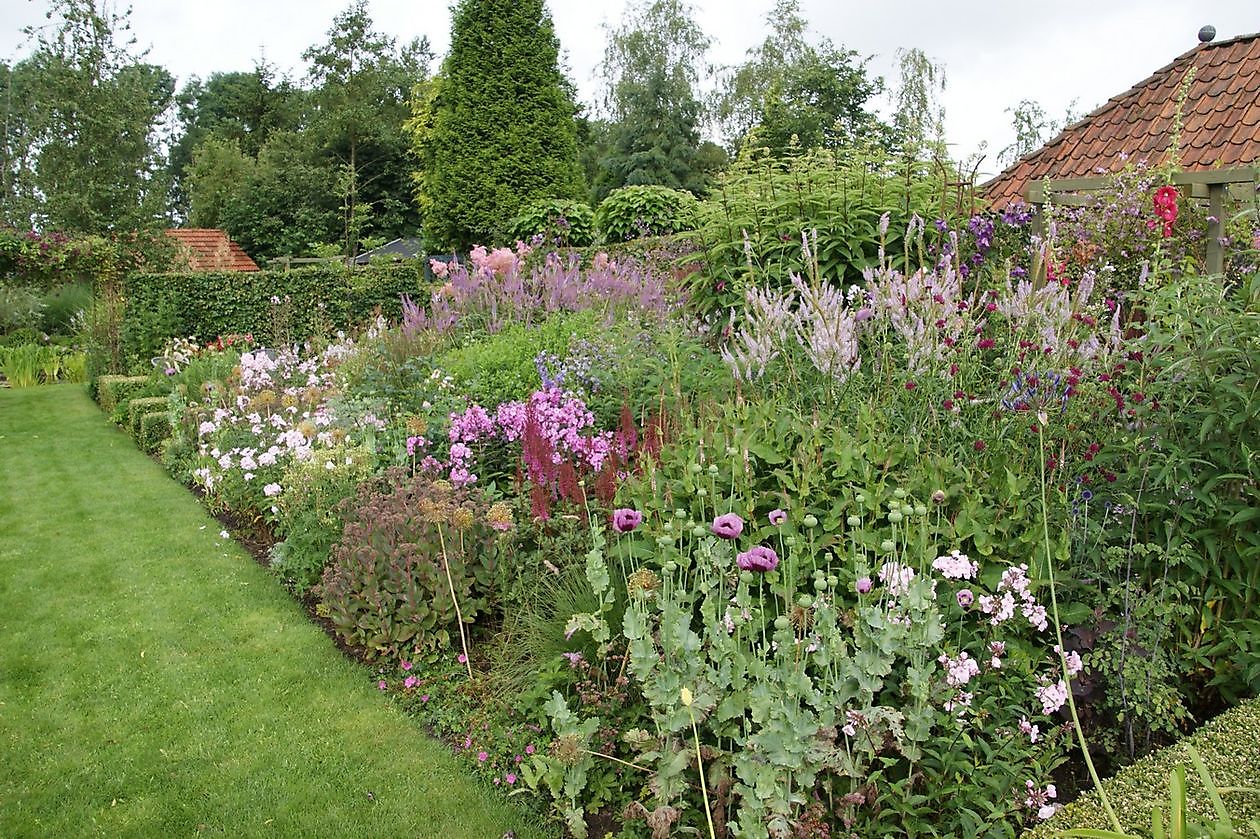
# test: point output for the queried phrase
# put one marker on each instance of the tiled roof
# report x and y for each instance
(1220, 122)
(211, 250)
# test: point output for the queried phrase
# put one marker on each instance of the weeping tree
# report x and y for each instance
(496, 129)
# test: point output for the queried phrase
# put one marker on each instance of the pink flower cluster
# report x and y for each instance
(562, 418)
(1002, 606)
(956, 566)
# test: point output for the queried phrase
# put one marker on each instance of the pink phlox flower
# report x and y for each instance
(1073, 661)
(1036, 615)
(896, 577)
(959, 670)
(956, 566)
(1033, 732)
(1052, 696)
(852, 719)
(1039, 800)
(996, 649)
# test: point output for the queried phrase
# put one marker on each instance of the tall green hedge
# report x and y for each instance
(273, 306)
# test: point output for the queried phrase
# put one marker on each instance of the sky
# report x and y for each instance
(1066, 54)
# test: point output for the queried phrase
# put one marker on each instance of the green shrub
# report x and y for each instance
(406, 544)
(278, 307)
(755, 216)
(308, 510)
(63, 306)
(113, 391)
(501, 367)
(141, 406)
(23, 365)
(636, 211)
(155, 427)
(560, 222)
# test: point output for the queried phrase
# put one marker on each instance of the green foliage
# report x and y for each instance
(20, 308)
(238, 110)
(113, 392)
(1197, 459)
(47, 262)
(140, 407)
(308, 301)
(636, 211)
(1224, 747)
(309, 512)
(500, 368)
(408, 545)
(751, 226)
(26, 365)
(496, 131)
(155, 429)
(560, 223)
(361, 85)
(790, 95)
(87, 113)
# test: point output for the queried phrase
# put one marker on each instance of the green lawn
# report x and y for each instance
(155, 681)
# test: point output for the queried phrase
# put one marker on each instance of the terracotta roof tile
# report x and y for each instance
(1221, 124)
(207, 249)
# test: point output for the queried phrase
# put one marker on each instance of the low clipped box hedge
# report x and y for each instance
(115, 391)
(1230, 748)
(137, 409)
(154, 429)
(301, 302)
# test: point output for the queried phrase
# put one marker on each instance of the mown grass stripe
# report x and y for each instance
(154, 681)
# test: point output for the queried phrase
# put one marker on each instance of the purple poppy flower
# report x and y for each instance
(777, 517)
(759, 558)
(728, 526)
(864, 585)
(625, 519)
(965, 598)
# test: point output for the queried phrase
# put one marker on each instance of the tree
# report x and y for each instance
(361, 87)
(215, 177)
(652, 65)
(919, 121)
(89, 115)
(788, 88)
(240, 108)
(1032, 127)
(496, 130)
(288, 203)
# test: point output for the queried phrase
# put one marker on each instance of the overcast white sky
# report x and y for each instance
(995, 53)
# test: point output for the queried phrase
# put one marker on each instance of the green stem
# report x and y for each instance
(1058, 631)
(704, 787)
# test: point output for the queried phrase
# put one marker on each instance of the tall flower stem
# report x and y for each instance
(704, 787)
(459, 615)
(1058, 632)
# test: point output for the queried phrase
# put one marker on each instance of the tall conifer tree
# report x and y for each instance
(495, 131)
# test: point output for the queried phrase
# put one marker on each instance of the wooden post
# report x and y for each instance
(1216, 229)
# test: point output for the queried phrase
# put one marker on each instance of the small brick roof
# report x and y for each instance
(211, 250)
(1220, 122)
